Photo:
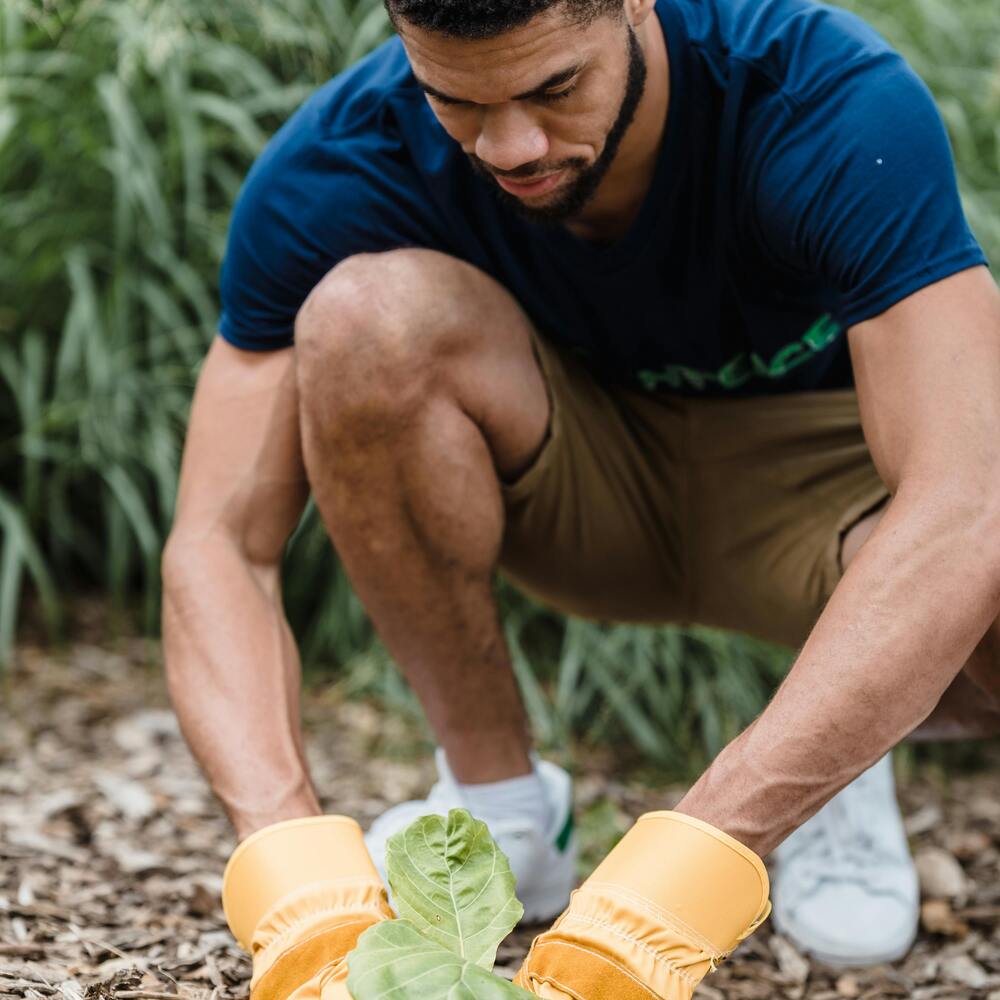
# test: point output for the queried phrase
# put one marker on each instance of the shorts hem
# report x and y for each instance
(523, 485)
(853, 516)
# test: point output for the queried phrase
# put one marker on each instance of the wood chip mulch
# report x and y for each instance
(112, 847)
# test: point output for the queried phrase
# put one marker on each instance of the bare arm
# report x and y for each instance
(921, 593)
(232, 665)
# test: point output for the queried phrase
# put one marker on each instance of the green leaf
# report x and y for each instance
(394, 961)
(454, 884)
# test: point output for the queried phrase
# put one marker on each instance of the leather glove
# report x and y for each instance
(298, 895)
(669, 903)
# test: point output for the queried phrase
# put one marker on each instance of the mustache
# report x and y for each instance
(527, 170)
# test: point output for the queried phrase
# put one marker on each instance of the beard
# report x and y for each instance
(579, 191)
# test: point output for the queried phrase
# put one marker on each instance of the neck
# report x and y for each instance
(615, 206)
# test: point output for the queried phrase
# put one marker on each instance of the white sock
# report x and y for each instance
(516, 798)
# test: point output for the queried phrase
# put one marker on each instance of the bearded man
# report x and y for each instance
(669, 311)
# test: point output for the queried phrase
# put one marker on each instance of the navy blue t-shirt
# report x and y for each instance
(805, 183)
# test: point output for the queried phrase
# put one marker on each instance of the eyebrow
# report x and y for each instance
(555, 80)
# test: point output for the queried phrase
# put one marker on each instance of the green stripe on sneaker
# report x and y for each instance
(562, 841)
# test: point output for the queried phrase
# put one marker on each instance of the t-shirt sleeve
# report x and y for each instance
(265, 274)
(858, 186)
(304, 207)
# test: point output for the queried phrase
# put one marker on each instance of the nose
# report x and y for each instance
(509, 138)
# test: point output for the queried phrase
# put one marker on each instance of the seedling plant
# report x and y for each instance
(455, 895)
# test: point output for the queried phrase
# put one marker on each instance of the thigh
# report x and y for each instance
(592, 527)
(779, 481)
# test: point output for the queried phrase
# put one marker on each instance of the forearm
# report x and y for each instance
(234, 678)
(898, 629)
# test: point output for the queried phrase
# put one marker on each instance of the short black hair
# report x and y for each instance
(489, 18)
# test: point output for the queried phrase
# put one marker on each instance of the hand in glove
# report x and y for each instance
(298, 895)
(669, 903)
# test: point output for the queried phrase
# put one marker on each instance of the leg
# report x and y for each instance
(419, 394)
(970, 708)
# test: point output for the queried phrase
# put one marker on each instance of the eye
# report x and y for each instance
(557, 95)
(441, 102)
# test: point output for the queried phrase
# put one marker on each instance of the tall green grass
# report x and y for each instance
(126, 127)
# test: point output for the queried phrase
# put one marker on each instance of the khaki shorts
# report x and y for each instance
(723, 512)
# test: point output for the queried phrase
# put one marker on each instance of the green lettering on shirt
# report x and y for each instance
(737, 372)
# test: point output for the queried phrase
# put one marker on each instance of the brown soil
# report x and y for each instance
(112, 848)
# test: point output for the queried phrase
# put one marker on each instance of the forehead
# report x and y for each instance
(490, 70)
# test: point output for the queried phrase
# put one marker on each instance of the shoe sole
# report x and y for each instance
(840, 961)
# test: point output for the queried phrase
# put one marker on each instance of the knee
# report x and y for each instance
(379, 328)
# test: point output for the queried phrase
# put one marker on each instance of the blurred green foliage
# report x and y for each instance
(126, 127)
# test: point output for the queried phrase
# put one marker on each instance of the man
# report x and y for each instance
(580, 290)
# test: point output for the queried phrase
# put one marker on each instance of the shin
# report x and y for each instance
(419, 391)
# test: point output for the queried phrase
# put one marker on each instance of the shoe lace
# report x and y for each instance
(837, 845)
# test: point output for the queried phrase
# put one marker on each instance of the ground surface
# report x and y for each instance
(111, 847)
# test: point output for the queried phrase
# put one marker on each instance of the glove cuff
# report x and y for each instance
(286, 857)
(707, 881)
(669, 903)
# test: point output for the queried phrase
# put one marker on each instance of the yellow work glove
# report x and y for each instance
(297, 896)
(669, 903)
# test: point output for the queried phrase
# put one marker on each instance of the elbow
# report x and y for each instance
(981, 525)
(192, 561)
(986, 526)
(959, 517)
(199, 560)
(990, 541)
(180, 562)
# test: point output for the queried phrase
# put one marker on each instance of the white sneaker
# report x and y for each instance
(543, 861)
(846, 888)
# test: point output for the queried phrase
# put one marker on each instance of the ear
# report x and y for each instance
(638, 10)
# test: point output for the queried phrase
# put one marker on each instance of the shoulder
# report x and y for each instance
(879, 114)
(344, 175)
(858, 185)
(351, 114)
(800, 47)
